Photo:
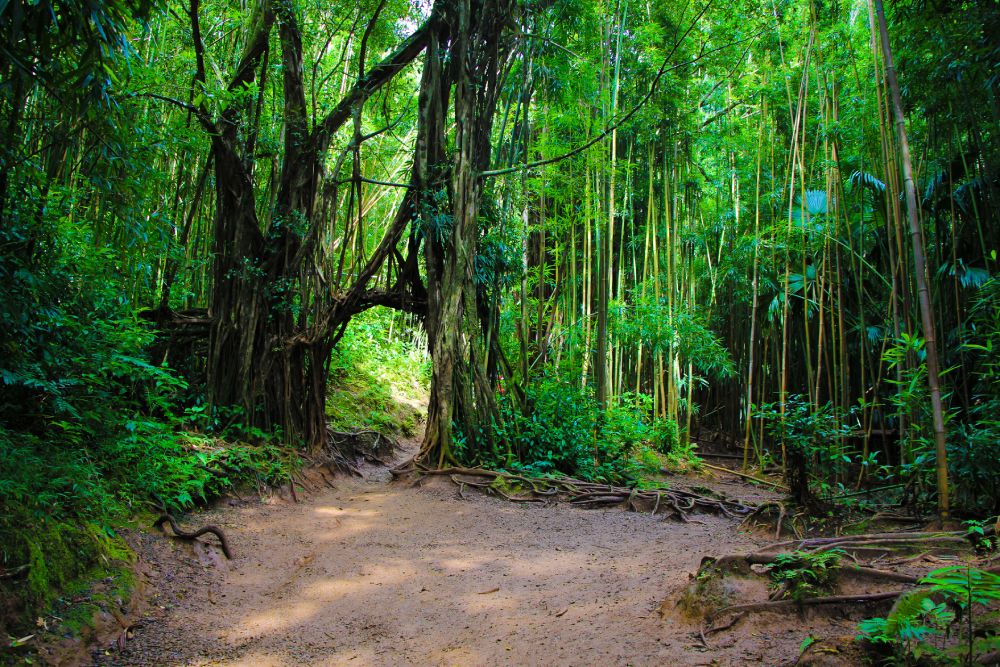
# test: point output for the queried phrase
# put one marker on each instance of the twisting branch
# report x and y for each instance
(367, 85)
(374, 181)
(209, 126)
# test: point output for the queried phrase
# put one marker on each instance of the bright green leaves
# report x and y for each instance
(676, 330)
(802, 574)
(945, 621)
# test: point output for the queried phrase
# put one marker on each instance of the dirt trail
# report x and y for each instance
(377, 573)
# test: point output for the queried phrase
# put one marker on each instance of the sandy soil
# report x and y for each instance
(379, 573)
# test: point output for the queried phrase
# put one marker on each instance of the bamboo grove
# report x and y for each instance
(708, 218)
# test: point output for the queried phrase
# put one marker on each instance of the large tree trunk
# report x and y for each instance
(273, 325)
(272, 328)
(461, 390)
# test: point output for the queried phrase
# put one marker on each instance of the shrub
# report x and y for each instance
(803, 574)
(563, 430)
(944, 622)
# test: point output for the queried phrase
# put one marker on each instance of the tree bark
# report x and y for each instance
(272, 325)
(461, 391)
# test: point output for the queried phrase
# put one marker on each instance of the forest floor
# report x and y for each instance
(382, 572)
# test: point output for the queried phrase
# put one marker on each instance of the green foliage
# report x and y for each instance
(563, 430)
(723, 192)
(556, 431)
(379, 375)
(946, 621)
(974, 448)
(913, 619)
(70, 46)
(974, 465)
(681, 331)
(87, 425)
(805, 574)
(808, 434)
(973, 461)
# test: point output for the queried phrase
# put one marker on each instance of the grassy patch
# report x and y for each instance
(379, 375)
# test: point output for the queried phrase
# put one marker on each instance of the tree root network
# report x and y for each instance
(866, 554)
(678, 503)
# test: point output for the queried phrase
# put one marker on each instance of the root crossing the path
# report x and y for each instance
(678, 503)
(186, 535)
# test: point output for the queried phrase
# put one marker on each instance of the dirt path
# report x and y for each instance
(376, 573)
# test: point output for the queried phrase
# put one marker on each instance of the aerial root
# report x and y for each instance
(184, 535)
(678, 503)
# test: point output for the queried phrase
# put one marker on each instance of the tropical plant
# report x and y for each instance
(918, 629)
(803, 574)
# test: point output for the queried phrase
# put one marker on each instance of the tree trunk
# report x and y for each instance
(920, 272)
(461, 392)
(272, 325)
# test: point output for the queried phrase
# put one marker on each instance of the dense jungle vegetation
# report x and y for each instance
(603, 233)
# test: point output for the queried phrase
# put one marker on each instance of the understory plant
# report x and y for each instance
(561, 429)
(91, 429)
(952, 618)
(807, 435)
(803, 574)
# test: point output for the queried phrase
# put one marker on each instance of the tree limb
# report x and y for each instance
(368, 84)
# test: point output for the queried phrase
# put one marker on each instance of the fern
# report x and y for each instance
(806, 574)
(916, 616)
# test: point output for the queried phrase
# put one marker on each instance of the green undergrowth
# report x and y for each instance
(379, 374)
(61, 506)
(560, 429)
(92, 431)
(801, 574)
(951, 618)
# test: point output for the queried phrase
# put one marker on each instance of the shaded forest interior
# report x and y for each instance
(598, 238)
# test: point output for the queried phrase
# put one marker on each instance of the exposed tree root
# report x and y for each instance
(346, 450)
(674, 502)
(780, 605)
(184, 535)
(770, 507)
(874, 545)
(708, 584)
(719, 628)
(880, 575)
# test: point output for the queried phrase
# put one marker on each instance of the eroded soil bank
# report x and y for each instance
(379, 573)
